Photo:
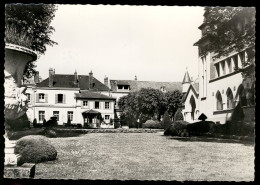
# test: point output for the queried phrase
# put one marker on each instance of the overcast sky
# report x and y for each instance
(155, 43)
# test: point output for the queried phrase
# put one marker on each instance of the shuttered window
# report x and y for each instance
(107, 105)
(60, 98)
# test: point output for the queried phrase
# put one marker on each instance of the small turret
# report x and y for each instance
(186, 82)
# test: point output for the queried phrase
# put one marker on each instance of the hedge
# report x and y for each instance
(178, 128)
(35, 149)
(152, 124)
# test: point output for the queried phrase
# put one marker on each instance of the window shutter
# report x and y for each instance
(37, 98)
(64, 98)
(82, 104)
(56, 98)
(46, 98)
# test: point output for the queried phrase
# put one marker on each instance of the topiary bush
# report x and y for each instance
(166, 122)
(178, 115)
(35, 149)
(152, 124)
(49, 133)
(178, 128)
(34, 122)
(200, 127)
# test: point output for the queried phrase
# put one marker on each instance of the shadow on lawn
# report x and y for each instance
(214, 140)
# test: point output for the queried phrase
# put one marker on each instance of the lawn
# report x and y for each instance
(148, 156)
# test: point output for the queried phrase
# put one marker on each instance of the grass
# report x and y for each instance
(147, 156)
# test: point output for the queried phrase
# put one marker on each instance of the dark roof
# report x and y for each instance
(67, 81)
(186, 78)
(93, 95)
(195, 88)
(91, 112)
(136, 85)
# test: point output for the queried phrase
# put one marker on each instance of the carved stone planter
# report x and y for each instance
(16, 58)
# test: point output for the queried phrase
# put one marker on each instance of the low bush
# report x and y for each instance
(49, 133)
(35, 149)
(34, 122)
(178, 128)
(152, 124)
(200, 127)
(79, 126)
(117, 123)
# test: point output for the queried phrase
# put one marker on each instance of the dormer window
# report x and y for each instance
(123, 87)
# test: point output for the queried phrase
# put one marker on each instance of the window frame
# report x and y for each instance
(62, 99)
(41, 115)
(96, 105)
(55, 114)
(107, 105)
(70, 115)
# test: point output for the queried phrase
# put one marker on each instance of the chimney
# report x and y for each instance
(36, 77)
(106, 81)
(135, 77)
(51, 76)
(90, 80)
(75, 78)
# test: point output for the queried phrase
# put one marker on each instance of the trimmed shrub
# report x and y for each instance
(44, 122)
(200, 127)
(68, 124)
(152, 124)
(34, 122)
(166, 122)
(79, 126)
(49, 133)
(51, 123)
(178, 115)
(35, 149)
(178, 128)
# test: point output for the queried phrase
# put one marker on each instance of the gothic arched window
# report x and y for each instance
(230, 99)
(219, 101)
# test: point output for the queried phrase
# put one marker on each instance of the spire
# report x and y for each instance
(186, 78)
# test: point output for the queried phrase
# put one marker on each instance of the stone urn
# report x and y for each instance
(16, 58)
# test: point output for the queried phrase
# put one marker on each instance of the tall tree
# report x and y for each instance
(29, 26)
(174, 101)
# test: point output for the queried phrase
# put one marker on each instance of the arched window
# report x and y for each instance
(219, 101)
(241, 93)
(193, 106)
(230, 99)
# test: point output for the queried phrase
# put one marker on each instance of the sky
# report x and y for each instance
(155, 43)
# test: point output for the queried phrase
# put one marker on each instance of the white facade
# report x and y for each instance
(62, 103)
(220, 88)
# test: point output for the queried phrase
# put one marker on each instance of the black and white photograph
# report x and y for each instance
(126, 92)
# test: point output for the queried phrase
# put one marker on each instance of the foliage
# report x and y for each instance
(51, 123)
(19, 124)
(146, 104)
(178, 128)
(174, 102)
(152, 102)
(49, 133)
(200, 127)
(152, 124)
(166, 122)
(178, 115)
(35, 149)
(117, 122)
(34, 122)
(44, 122)
(29, 26)
(68, 124)
(231, 29)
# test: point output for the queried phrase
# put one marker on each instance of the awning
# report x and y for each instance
(91, 112)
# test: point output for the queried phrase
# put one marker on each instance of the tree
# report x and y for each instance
(152, 102)
(29, 26)
(231, 29)
(174, 102)
(166, 120)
